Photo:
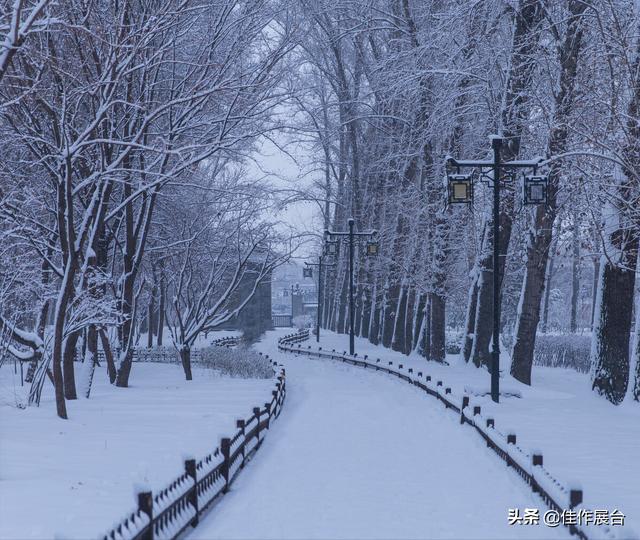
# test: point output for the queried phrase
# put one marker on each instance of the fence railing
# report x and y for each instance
(282, 321)
(529, 465)
(168, 513)
(229, 341)
(169, 354)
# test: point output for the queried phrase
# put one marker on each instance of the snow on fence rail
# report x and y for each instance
(169, 512)
(529, 466)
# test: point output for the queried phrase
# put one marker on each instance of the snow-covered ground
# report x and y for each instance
(584, 439)
(75, 478)
(357, 454)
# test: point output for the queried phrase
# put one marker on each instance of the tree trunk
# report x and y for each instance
(547, 290)
(575, 276)
(514, 117)
(185, 357)
(366, 311)
(470, 323)
(437, 333)
(389, 317)
(540, 236)
(610, 340)
(161, 306)
(426, 346)
(636, 387)
(482, 331)
(92, 348)
(68, 368)
(397, 343)
(374, 325)
(411, 321)
(150, 319)
(108, 355)
(594, 289)
(417, 328)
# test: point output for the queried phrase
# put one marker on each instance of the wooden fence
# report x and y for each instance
(169, 355)
(169, 512)
(529, 466)
(230, 341)
(282, 321)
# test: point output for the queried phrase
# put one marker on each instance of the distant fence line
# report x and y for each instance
(229, 341)
(169, 354)
(282, 321)
(529, 466)
(171, 511)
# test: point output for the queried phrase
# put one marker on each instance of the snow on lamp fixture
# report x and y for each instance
(535, 189)
(460, 188)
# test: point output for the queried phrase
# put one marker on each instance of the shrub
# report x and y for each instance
(563, 350)
(453, 340)
(303, 321)
(240, 362)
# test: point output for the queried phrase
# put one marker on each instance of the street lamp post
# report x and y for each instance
(320, 264)
(351, 235)
(461, 191)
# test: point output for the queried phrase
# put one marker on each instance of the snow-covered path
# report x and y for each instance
(357, 454)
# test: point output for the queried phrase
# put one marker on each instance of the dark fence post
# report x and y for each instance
(511, 438)
(536, 459)
(145, 504)
(225, 446)
(465, 403)
(256, 413)
(240, 425)
(268, 407)
(575, 497)
(190, 469)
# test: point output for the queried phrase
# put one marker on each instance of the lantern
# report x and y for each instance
(331, 247)
(535, 189)
(460, 188)
(307, 272)
(372, 249)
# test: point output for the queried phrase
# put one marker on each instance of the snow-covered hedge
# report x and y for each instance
(563, 350)
(241, 362)
(303, 321)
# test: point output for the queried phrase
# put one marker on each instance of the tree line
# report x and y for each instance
(124, 194)
(392, 87)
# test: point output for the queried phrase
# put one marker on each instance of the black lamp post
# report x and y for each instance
(320, 264)
(460, 190)
(332, 249)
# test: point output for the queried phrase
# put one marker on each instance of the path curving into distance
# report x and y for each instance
(359, 454)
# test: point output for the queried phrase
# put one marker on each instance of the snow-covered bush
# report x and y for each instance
(240, 362)
(563, 350)
(453, 340)
(303, 321)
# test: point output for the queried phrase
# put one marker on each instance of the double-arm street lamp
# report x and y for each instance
(460, 190)
(308, 272)
(332, 248)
